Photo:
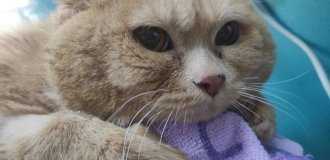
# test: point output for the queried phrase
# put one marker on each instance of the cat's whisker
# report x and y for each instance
(131, 99)
(192, 114)
(279, 98)
(279, 109)
(251, 78)
(267, 88)
(184, 119)
(240, 110)
(272, 89)
(281, 82)
(206, 109)
(175, 117)
(247, 108)
(250, 102)
(152, 117)
(162, 134)
(136, 127)
(268, 91)
(161, 123)
(270, 94)
(265, 100)
(149, 123)
(259, 99)
(131, 122)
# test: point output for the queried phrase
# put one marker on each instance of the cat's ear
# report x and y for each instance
(75, 5)
(68, 8)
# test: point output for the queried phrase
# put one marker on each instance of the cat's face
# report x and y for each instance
(183, 59)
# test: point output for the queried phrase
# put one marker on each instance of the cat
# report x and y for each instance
(77, 84)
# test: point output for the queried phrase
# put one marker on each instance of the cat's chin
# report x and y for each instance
(205, 110)
(209, 110)
(200, 113)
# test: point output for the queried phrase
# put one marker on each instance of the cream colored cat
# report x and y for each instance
(128, 62)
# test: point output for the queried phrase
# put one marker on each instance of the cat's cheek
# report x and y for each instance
(227, 95)
(126, 78)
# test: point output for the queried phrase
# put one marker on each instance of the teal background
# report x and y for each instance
(310, 20)
(309, 124)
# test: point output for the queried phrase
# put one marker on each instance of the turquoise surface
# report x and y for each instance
(310, 20)
(309, 123)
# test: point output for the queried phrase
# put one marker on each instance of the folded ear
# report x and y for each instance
(76, 5)
(68, 8)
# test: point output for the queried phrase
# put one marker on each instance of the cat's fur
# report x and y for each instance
(62, 78)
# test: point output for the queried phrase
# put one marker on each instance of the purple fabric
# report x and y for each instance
(227, 137)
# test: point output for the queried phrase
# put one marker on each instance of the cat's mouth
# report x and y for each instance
(198, 111)
(180, 106)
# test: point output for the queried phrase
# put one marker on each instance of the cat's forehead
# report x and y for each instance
(185, 13)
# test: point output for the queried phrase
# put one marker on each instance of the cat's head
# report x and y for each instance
(183, 59)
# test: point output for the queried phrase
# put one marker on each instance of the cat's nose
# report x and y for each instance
(211, 84)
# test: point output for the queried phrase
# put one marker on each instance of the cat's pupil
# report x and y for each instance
(153, 38)
(228, 34)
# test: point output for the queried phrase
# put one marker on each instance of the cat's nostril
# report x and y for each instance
(211, 84)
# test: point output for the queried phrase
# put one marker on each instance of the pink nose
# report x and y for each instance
(211, 84)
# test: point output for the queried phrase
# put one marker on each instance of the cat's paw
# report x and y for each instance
(260, 117)
(147, 146)
(264, 126)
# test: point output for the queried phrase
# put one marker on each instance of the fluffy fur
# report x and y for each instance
(82, 66)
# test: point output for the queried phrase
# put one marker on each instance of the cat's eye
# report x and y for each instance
(228, 34)
(153, 38)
